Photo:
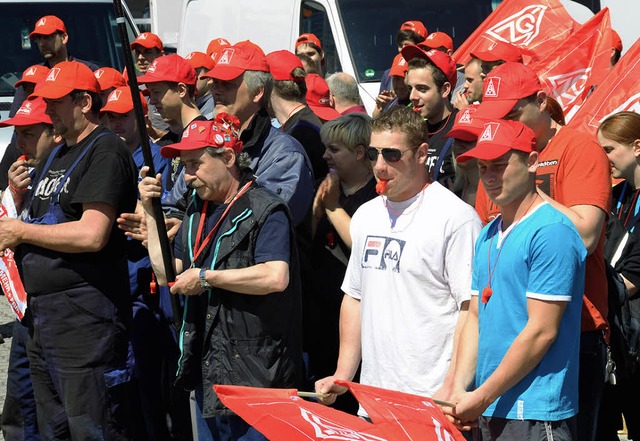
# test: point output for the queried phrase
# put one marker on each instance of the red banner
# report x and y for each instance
(536, 27)
(581, 61)
(620, 90)
(279, 414)
(9, 275)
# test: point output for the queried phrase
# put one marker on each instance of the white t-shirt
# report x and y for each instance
(410, 267)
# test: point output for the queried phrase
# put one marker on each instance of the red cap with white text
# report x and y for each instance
(318, 98)
(237, 59)
(416, 26)
(47, 25)
(31, 112)
(222, 132)
(66, 77)
(498, 138)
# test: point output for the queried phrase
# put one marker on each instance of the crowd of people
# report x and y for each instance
(454, 246)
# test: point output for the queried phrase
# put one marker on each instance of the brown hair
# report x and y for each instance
(622, 127)
(404, 120)
(555, 111)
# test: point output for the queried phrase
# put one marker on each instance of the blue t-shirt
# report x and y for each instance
(542, 258)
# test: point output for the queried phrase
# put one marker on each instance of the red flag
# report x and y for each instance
(9, 275)
(279, 414)
(579, 62)
(536, 27)
(620, 90)
(417, 417)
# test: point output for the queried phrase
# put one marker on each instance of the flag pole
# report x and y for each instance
(148, 158)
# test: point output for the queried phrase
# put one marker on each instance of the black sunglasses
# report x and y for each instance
(389, 154)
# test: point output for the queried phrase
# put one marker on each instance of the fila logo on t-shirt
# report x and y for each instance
(226, 56)
(493, 87)
(489, 132)
(382, 253)
(53, 74)
(115, 95)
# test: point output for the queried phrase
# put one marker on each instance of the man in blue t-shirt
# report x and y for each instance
(520, 343)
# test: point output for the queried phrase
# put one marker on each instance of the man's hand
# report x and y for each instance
(19, 179)
(327, 386)
(460, 100)
(331, 194)
(149, 187)
(467, 409)
(173, 225)
(134, 225)
(187, 283)
(11, 233)
(385, 97)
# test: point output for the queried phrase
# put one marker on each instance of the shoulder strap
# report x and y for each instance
(443, 154)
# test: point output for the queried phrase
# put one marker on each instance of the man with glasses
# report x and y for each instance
(408, 278)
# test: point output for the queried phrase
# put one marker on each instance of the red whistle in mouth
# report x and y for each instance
(381, 186)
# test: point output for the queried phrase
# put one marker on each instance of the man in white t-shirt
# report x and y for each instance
(408, 280)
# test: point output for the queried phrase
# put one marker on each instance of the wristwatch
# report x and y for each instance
(203, 281)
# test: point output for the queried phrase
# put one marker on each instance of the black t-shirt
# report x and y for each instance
(437, 142)
(304, 126)
(11, 155)
(106, 174)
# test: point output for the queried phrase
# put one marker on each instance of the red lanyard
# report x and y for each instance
(487, 292)
(199, 247)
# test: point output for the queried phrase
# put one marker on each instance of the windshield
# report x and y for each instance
(93, 36)
(371, 27)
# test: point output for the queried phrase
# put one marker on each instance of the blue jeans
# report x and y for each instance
(223, 428)
(593, 359)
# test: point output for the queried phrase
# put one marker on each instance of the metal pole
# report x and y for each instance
(165, 247)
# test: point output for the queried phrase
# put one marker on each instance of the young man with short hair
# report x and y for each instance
(519, 348)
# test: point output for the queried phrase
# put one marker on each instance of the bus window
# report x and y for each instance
(314, 20)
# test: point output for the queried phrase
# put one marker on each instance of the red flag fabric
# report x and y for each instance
(579, 62)
(620, 90)
(279, 414)
(536, 27)
(9, 275)
(415, 416)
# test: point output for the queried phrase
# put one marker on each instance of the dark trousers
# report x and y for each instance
(19, 420)
(77, 356)
(593, 359)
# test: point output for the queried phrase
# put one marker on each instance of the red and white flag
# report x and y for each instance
(536, 27)
(279, 414)
(619, 91)
(578, 63)
(9, 276)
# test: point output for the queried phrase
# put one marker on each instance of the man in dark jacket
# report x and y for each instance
(237, 265)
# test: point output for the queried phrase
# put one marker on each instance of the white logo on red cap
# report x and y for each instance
(493, 87)
(226, 56)
(98, 73)
(115, 95)
(466, 117)
(431, 36)
(521, 28)
(142, 36)
(25, 109)
(566, 88)
(153, 66)
(490, 130)
(53, 74)
(189, 55)
(30, 72)
(42, 22)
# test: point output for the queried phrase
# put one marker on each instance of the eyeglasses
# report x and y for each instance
(389, 154)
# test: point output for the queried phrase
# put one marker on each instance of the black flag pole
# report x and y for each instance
(148, 159)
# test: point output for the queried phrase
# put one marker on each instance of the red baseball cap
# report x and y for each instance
(47, 25)
(200, 59)
(308, 39)
(437, 40)
(399, 67)
(235, 60)
(281, 65)
(498, 138)
(442, 61)
(318, 97)
(466, 126)
(31, 112)
(33, 74)
(415, 26)
(120, 101)
(215, 47)
(147, 40)
(170, 68)
(504, 86)
(499, 51)
(616, 41)
(64, 78)
(219, 133)
(108, 77)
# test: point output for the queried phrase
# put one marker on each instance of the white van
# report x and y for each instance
(93, 36)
